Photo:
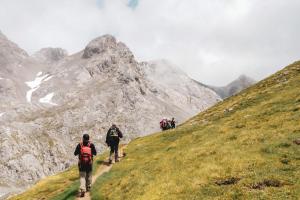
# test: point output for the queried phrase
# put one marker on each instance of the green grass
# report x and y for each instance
(248, 138)
(62, 186)
(50, 187)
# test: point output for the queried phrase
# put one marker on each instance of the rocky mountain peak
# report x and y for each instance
(11, 55)
(9, 46)
(99, 45)
(50, 55)
(2, 35)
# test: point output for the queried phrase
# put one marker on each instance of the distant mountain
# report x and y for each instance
(50, 55)
(241, 83)
(62, 96)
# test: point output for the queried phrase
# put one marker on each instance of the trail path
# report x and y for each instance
(105, 167)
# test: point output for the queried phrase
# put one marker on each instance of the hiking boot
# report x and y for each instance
(88, 189)
(110, 162)
(82, 194)
(117, 160)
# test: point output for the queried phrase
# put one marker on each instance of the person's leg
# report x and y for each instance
(88, 180)
(112, 150)
(117, 152)
(82, 188)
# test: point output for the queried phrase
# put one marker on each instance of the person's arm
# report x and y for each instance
(120, 134)
(107, 136)
(94, 151)
(77, 150)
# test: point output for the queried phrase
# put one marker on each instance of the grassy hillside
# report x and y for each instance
(62, 186)
(241, 148)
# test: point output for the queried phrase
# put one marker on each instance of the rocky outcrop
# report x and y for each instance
(11, 56)
(99, 45)
(50, 55)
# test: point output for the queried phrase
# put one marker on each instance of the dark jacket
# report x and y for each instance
(86, 168)
(173, 123)
(115, 139)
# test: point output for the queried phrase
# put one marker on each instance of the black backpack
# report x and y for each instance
(113, 132)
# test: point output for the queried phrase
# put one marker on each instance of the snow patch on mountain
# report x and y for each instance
(39, 73)
(35, 84)
(48, 78)
(48, 99)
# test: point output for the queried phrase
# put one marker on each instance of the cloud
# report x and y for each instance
(214, 41)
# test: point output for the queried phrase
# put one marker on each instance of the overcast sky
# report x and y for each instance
(213, 41)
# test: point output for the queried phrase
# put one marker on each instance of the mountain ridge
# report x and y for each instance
(234, 87)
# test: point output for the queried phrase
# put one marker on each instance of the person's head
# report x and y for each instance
(173, 118)
(85, 137)
(113, 125)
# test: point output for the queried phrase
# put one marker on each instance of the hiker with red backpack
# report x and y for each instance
(85, 151)
(112, 140)
(165, 124)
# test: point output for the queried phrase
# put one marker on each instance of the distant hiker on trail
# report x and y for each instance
(173, 123)
(85, 151)
(112, 140)
(165, 124)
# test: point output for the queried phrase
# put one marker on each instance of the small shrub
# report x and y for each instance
(267, 150)
(240, 126)
(285, 161)
(284, 145)
(297, 141)
(266, 183)
(228, 181)
(296, 109)
(233, 137)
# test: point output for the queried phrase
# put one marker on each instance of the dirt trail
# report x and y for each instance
(105, 167)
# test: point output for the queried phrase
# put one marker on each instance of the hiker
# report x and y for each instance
(85, 151)
(112, 140)
(161, 123)
(173, 123)
(165, 124)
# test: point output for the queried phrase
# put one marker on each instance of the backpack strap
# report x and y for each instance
(88, 145)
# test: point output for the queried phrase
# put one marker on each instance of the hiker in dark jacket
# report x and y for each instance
(85, 151)
(173, 123)
(112, 140)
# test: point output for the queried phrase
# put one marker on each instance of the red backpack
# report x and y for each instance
(85, 154)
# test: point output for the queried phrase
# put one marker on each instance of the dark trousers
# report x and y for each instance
(114, 149)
